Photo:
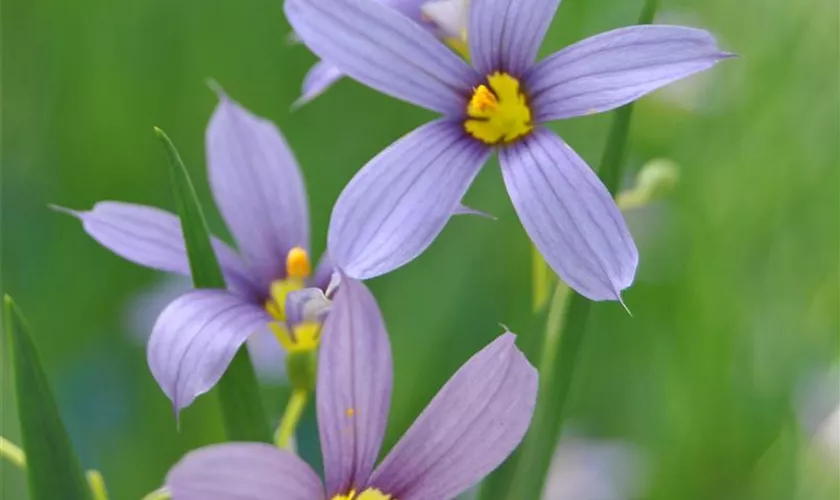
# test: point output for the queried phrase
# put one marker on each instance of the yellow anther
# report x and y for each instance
(351, 412)
(483, 102)
(303, 338)
(498, 112)
(297, 264)
(368, 494)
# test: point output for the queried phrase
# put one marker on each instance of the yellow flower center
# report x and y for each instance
(368, 494)
(498, 112)
(304, 336)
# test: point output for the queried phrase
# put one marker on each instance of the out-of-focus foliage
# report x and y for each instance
(51, 464)
(735, 304)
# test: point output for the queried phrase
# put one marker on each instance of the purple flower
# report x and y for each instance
(400, 201)
(260, 192)
(468, 429)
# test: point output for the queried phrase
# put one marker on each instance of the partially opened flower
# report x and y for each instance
(468, 429)
(400, 201)
(260, 192)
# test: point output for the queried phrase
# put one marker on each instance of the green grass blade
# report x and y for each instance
(205, 269)
(563, 338)
(242, 410)
(53, 469)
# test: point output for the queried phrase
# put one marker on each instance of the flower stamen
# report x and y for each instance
(498, 112)
(297, 264)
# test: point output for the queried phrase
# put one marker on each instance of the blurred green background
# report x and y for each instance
(735, 305)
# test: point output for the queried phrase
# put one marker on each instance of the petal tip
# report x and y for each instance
(300, 102)
(217, 88)
(620, 300)
(176, 411)
(462, 209)
(64, 210)
(506, 341)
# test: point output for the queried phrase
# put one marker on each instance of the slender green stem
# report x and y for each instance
(97, 484)
(291, 417)
(238, 391)
(564, 334)
(541, 277)
(12, 453)
(566, 324)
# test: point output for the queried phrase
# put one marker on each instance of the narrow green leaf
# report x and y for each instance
(239, 396)
(566, 325)
(242, 409)
(53, 469)
(205, 269)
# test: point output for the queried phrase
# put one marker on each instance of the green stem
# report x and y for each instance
(238, 391)
(97, 484)
(291, 417)
(566, 324)
(564, 334)
(16, 456)
(12, 453)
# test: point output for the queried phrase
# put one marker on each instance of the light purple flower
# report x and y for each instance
(468, 429)
(400, 201)
(260, 192)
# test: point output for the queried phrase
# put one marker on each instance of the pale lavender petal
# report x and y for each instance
(505, 35)
(400, 201)
(196, 337)
(243, 471)
(258, 188)
(354, 387)
(152, 238)
(569, 215)
(474, 422)
(409, 8)
(317, 80)
(267, 356)
(614, 68)
(385, 50)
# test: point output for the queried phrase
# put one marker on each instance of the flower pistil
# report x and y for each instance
(300, 337)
